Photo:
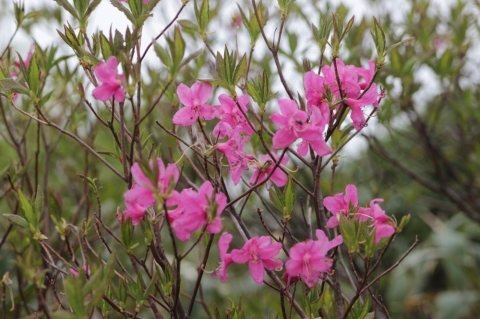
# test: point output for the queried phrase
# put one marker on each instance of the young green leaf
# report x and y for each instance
(289, 195)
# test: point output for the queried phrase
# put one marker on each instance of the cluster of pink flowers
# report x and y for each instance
(233, 125)
(295, 124)
(194, 209)
(144, 194)
(356, 88)
(308, 260)
(258, 252)
(347, 204)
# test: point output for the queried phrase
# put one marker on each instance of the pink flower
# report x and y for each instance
(259, 253)
(143, 194)
(232, 117)
(294, 124)
(225, 259)
(134, 211)
(264, 168)
(111, 86)
(237, 159)
(352, 86)
(348, 76)
(381, 222)
(340, 204)
(314, 87)
(197, 209)
(194, 100)
(308, 259)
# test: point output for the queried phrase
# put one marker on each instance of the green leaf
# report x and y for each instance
(17, 220)
(93, 5)
(105, 47)
(163, 55)
(12, 85)
(240, 70)
(380, 41)
(289, 195)
(188, 25)
(67, 6)
(179, 48)
(396, 45)
(27, 209)
(33, 78)
(348, 27)
(403, 222)
(359, 310)
(117, 4)
(126, 231)
(75, 296)
(98, 283)
(204, 16)
(38, 204)
(220, 66)
(348, 228)
(277, 198)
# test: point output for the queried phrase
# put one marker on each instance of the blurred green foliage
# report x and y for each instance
(422, 158)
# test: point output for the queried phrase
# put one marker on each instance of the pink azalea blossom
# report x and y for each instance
(111, 86)
(381, 222)
(265, 167)
(237, 159)
(225, 258)
(231, 116)
(309, 259)
(341, 204)
(294, 124)
(259, 253)
(143, 194)
(354, 82)
(134, 211)
(194, 100)
(195, 209)
(314, 87)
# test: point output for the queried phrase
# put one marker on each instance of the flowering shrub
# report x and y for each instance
(201, 171)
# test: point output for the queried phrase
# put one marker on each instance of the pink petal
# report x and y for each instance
(202, 91)
(332, 222)
(240, 256)
(224, 243)
(273, 264)
(383, 231)
(103, 92)
(279, 119)
(119, 95)
(288, 107)
(257, 271)
(351, 194)
(283, 138)
(139, 177)
(185, 95)
(185, 116)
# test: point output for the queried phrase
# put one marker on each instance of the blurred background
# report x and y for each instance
(421, 152)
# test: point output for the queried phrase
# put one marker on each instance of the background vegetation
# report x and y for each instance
(421, 153)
